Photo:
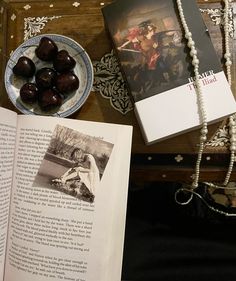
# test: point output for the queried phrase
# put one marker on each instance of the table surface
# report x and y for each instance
(170, 160)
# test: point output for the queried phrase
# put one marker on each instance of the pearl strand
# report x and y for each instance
(195, 63)
(228, 63)
(227, 54)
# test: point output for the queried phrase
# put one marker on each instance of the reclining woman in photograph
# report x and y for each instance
(82, 179)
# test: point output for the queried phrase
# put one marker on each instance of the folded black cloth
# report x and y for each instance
(167, 241)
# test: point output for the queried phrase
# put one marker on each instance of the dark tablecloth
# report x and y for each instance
(166, 241)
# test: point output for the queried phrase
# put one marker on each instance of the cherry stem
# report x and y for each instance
(29, 46)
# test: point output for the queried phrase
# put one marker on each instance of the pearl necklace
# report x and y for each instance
(228, 63)
(203, 116)
(195, 63)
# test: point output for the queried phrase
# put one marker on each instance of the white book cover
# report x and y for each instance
(155, 61)
(177, 111)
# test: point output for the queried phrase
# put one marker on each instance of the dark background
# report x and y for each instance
(166, 241)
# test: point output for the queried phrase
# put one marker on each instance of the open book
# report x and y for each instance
(63, 198)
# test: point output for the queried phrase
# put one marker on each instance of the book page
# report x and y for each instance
(7, 148)
(120, 206)
(61, 219)
(112, 238)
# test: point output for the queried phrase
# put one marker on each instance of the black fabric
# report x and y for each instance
(166, 241)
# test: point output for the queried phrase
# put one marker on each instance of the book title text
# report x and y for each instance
(206, 78)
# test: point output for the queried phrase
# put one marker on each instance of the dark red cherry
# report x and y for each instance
(24, 67)
(67, 82)
(49, 99)
(47, 49)
(29, 93)
(63, 62)
(45, 77)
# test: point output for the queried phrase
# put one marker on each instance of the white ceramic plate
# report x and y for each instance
(83, 69)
